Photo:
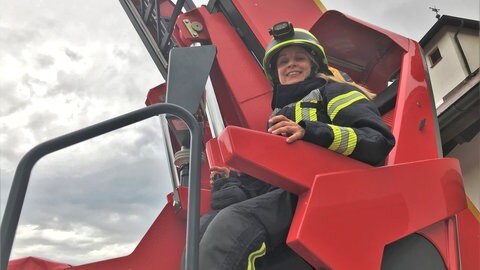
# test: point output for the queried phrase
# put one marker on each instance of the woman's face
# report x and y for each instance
(293, 65)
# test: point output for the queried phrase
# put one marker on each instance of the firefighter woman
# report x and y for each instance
(251, 219)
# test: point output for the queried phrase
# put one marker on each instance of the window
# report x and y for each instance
(435, 57)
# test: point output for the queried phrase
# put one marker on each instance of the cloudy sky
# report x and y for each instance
(65, 65)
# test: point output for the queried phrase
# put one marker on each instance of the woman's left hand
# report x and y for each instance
(281, 125)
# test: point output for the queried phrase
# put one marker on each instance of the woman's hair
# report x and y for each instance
(329, 78)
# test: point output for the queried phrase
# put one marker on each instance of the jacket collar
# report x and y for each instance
(287, 94)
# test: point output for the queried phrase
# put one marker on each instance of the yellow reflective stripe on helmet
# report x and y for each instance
(344, 140)
(256, 254)
(298, 41)
(338, 103)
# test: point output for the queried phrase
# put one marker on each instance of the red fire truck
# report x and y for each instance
(410, 213)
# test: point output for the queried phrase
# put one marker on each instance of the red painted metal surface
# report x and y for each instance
(469, 228)
(369, 55)
(302, 14)
(350, 212)
(443, 235)
(355, 214)
(32, 263)
(162, 245)
(417, 192)
(414, 123)
(268, 157)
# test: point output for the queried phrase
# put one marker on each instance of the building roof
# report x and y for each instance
(447, 20)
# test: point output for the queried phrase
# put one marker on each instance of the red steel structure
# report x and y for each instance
(350, 215)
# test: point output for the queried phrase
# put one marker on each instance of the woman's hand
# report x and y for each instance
(281, 125)
(222, 172)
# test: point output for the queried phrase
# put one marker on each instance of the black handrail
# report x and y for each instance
(24, 168)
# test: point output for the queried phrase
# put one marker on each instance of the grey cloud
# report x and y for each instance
(132, 193)
(116, 190)
(41, 124)
(32, 82)
(44, 61)
(69, 82)
(87, 190)
(10, 102)
(99, 81)
(132, 56)
(5, 182)
(120, 53)
(393, 13)
(101, 178)
(14, 40)
(72, 55)
(10, 151)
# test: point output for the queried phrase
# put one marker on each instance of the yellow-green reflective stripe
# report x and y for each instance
(337, 138)
(342, 101)
(297, 41)
(298, 112)
(256, 254)
(308, 114)
(352, 142)
(312, 114)
(344, 140)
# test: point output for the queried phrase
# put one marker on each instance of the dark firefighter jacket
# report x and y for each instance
(334, 115)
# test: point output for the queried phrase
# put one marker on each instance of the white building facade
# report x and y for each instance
(452, 50)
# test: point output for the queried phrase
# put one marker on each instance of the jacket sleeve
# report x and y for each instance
(236, 188)
(356, 129)
(227, 191)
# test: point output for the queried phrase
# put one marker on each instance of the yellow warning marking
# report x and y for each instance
(473, 209)
(255, 255)
(320, 5)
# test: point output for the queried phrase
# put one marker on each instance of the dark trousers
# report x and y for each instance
(242, 232)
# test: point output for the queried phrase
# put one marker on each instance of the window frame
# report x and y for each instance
(433, 58)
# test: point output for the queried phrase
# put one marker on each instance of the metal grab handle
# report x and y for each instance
(24, 168)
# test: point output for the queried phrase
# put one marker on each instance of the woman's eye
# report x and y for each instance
(300, 58)
(282, 61)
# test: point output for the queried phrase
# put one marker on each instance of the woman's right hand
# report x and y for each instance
(281, 125)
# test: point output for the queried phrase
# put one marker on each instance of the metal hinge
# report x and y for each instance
(193, 27)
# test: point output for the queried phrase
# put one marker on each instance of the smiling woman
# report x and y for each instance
(294, 65)
(63, 68)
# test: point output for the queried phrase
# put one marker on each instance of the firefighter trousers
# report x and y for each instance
(236, 236)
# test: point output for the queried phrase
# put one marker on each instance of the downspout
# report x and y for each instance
(462, 53)
(465, 62)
